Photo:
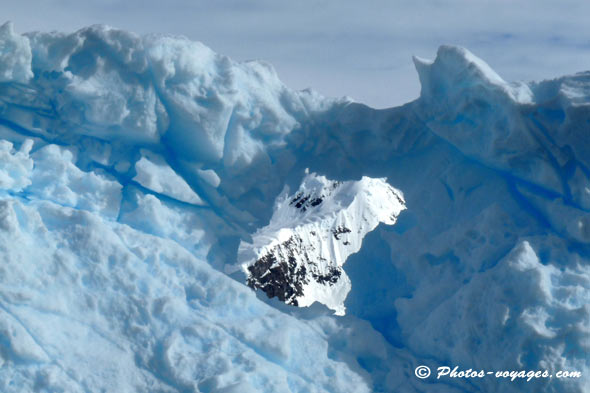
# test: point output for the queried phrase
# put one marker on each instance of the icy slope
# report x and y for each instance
(132, 168)
(298, 256)
(92, 305)
(489, 181)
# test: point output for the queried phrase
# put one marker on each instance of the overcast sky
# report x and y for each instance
(361, 49)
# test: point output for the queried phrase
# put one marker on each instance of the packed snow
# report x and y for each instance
(132, 168)
(299, 255)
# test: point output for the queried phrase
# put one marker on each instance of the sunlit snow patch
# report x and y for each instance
(298, 256)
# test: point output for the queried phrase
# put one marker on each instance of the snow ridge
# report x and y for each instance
(298, 256)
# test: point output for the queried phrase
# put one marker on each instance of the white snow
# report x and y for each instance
(329, 220)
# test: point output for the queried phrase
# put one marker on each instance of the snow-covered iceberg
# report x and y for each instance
(132, 169)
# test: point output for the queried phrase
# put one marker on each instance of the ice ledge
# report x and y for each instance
(458, 71)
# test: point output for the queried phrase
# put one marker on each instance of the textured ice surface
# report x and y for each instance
(15, 55)
(156, 175)
(131, 168)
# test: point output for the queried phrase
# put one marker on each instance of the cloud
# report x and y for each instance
(344, 47)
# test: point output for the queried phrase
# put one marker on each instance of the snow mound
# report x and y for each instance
(298, 256)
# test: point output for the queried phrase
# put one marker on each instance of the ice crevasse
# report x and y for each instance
(140, 176)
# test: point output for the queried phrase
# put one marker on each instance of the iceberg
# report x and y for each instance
(143, 177)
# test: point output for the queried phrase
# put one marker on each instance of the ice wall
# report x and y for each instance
(132, 168)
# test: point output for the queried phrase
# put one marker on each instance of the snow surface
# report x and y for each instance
(313, 231)
(132, 168)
